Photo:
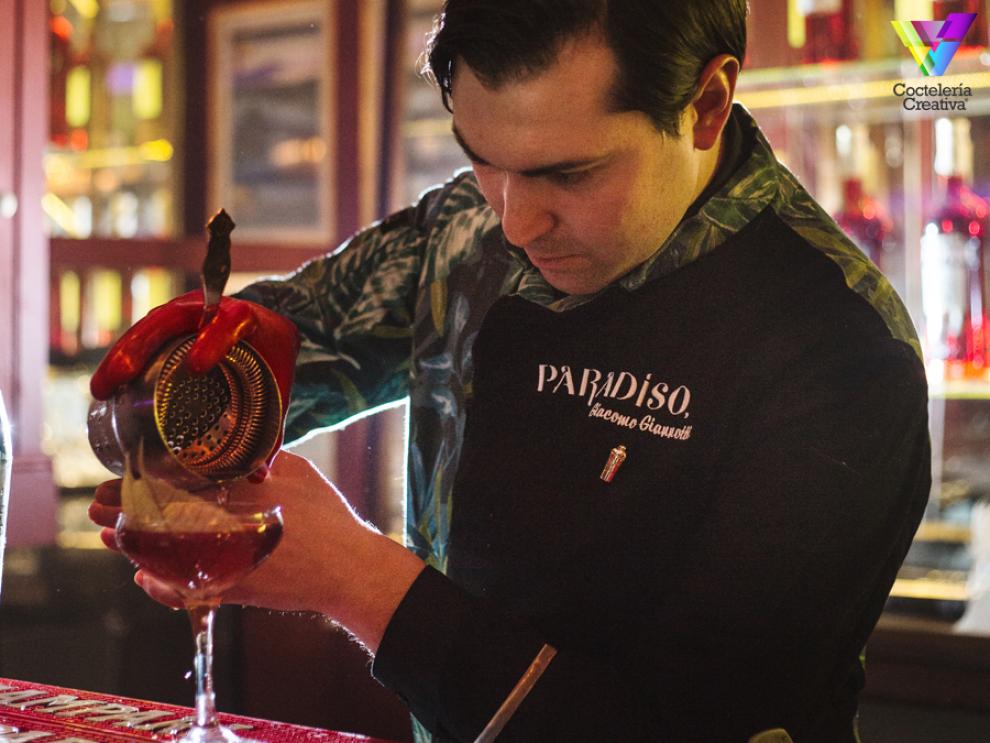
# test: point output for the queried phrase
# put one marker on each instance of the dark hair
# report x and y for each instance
(661, 46)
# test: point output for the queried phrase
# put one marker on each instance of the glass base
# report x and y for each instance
(218, 734)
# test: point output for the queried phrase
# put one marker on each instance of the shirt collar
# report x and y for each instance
(747, 191)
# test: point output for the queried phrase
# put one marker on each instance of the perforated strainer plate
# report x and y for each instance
(221, 424)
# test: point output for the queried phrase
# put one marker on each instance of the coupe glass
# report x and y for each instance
(201, 550)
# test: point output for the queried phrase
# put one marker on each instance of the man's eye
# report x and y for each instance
(569, 178)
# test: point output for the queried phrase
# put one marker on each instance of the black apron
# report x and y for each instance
(535, 528)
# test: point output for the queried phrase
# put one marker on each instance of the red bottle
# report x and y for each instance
(864, 220)
(60, 59)
(829, 30)
(952, 280)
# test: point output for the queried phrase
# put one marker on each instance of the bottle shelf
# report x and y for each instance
(960, 389)
(943, 531)
(938, 586)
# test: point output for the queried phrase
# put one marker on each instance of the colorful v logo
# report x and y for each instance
(933, 44)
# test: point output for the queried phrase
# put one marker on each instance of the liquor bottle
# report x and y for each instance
(952, 281)
(864, 220)
(60, 62)
(5, 467)
(829, 30)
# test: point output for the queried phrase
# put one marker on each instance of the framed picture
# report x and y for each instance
(271, 113)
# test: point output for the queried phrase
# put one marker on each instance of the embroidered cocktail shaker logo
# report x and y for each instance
(933, 44)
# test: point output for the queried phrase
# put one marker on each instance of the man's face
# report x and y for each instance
(588, 193)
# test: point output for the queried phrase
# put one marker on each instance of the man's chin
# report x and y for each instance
(574, 284)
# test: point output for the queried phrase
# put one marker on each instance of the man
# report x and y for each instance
(668, 434)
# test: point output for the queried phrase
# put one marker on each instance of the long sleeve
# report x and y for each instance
(817, 504)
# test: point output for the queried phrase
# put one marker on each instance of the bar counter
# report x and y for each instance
(52, 714)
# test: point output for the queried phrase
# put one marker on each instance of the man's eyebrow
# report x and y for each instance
(543, 170)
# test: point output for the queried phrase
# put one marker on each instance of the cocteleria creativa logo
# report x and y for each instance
(933, 44)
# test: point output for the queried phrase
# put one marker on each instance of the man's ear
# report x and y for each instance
(713, 101)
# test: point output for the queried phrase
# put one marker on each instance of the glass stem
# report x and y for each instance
(201, 617)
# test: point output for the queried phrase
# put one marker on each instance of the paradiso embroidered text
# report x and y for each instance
(597, 388)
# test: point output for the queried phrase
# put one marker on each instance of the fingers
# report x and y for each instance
(105, 508)
(259, 475)
(277, 339)
(131, 353)
(105, 516)
(109, 538)
(158, 590)
(108, 493)
(233, 322)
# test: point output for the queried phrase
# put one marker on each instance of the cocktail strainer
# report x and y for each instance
(196, 429)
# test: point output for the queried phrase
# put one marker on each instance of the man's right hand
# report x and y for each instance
(272, 335)
(105, 509)
(363, 574)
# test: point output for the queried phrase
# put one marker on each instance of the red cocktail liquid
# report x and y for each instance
(200, 564)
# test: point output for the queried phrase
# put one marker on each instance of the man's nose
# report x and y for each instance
(525, 213)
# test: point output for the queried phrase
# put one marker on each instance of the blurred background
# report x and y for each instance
(124, 124)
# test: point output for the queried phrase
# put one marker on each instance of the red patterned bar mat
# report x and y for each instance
(50, 714)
